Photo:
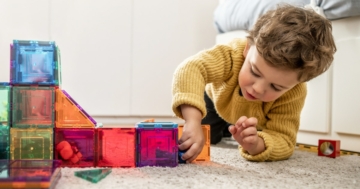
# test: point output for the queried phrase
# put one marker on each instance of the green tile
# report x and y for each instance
(94, 175)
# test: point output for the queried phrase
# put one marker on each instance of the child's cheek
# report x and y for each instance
(244, 79)
(271, 96)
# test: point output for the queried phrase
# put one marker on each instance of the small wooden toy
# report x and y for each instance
(329, 148)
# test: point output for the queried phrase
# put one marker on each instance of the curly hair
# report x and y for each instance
(294, 38)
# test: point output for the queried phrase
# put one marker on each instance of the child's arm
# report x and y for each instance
(215, 65)
(280, 130)
(192, 138)
(210, 66)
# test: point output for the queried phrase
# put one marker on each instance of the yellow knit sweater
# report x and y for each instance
(216, 70)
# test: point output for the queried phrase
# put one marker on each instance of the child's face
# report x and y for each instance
(259, 81)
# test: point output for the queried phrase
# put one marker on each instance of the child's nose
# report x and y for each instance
(259, 87)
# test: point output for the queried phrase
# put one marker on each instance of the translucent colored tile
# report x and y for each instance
(33, 107)
(34, 62)
(149, 124)
(94, 175)
(205, 153)
(116, 147)
(157, 147)
(4, 84)
(59, 72)
(71, 114)
(31, 143)
(5, 97)
(29, 173)
(4, 142)
(42, 164)
(75, 147)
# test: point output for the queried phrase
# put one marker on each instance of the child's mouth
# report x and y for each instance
(251, 97)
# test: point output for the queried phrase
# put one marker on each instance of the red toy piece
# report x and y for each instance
(67, 151)
(329, 148)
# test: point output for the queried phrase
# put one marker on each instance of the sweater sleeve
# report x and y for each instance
(280, 130)
(191, 76)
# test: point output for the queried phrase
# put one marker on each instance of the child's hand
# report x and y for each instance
(245, 133)
(191, 140)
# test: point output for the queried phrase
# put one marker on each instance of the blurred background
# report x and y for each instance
(117, 57)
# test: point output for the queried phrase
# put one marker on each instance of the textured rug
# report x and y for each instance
(227, 169)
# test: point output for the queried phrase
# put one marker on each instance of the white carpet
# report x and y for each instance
(228, 169)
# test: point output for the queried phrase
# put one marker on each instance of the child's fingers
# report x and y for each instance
(192, 153)
(185, 144)
(250, 139)
(252, 121)
(192, 150)
(240, 121)
(232, 129)
(183, 138)
(249, 131)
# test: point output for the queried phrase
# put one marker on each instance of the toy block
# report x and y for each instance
(205, 153)
(34, 63)
(180, 154)
(116, 147)
(31, 144)
(29, 173)
(153, 125)
(157, 144)
(4, 142)
(94, 175)
(33, 107)
(329, 148)
(75, 146)
(5, 97)
(70, 114)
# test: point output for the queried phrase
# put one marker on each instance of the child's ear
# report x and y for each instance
(246, 50)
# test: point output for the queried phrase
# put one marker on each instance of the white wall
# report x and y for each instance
(19, 21)
(118, 57)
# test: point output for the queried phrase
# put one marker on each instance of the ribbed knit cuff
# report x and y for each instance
(189, 99)
(263, 156)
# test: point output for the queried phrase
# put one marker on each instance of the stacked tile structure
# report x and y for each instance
(34, 78)
(27, 116)
(41, 122)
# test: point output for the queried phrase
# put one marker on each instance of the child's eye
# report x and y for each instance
(253, 73)
(276, 89)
